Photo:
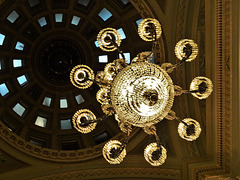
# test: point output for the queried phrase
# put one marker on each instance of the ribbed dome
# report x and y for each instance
(41, 41)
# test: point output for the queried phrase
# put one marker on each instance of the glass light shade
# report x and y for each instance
(190, 132)
(81, 116)
(142, 94)
(155, 155)
(181, 47)
(145, 26)
(100, 76)
(111, 152)
(80, 76)
(110, 71)
(203, 85)
(104, 37)
(103, 95)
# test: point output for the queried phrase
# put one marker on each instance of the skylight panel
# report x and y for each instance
(33, 3)
(38, 143)
(96, 44)
(125, 1)
(58, 17)
(121, 32)
(12, 17)
(47, 101)
(22, 80)
(103, 59)
(19, 46)
(105, 14)
(66, 124)
(75, 20)
(127, 57)
(17, 63)
(63, 103)
(42, 21)
(84, 2)
(79, 99)
(138, 21)
(3, 89)
(2, 37)
(19, 109)
(41, 122)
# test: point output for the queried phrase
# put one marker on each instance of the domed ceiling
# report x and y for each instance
(41, 41)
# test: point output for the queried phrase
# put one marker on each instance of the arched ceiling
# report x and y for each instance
(43, 40)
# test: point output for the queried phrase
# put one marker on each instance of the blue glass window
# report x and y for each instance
(17, 63)
(105, 14)
(125, 1)
(3, 89)
(12, 17)
(127, 57)
(63, 103)
(96, 44)
(103, 59)
(22, 80)
(79, 99)
(2, 37)
(138, 21)
(47, 101)
(19, 46)
(41, 121)
(75, 20)
(33, 3)
(121, 32)
(58, 17)
(84, 2)
(19, 109)
(38, 143)
(42, 21)
(66, 124)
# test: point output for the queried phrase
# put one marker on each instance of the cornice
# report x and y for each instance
(223, 89)
(108, 173)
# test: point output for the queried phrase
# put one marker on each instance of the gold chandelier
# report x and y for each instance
(139, 94)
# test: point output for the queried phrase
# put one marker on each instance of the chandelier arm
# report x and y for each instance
(178, 119)
(98, 83)
(118, 48)
(154, 35)
(124, 144)
(94, 120)
(156, 136)
(201, 89)
(188, 54)
(126, 139)
(189, 92)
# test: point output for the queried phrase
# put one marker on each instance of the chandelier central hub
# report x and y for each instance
(142, 94)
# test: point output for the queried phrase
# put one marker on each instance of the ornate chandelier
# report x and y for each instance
(138, 94)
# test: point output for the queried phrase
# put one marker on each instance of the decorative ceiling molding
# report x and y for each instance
(223, 89)
(112, 173)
